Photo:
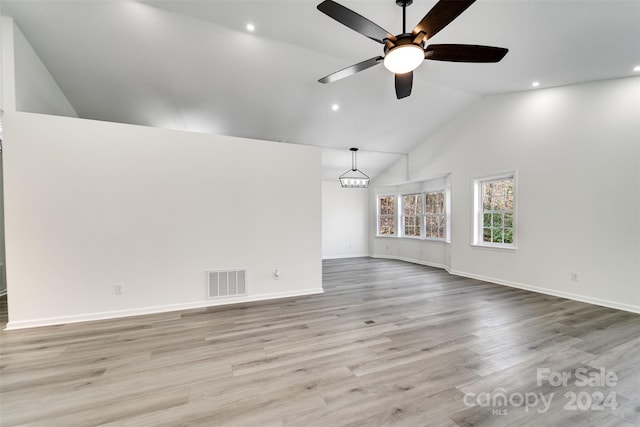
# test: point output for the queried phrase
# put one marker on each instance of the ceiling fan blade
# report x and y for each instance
(351, 70)
(439, 17)
(404, 83)
(354, 21)
(464, 53)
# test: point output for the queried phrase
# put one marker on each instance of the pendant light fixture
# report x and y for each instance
(354, 178)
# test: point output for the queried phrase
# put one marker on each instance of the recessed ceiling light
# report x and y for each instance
(535, 84)
(636, 68)
(250, 27)
(335, 107)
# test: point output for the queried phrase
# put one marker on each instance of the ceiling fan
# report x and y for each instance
(404, 52)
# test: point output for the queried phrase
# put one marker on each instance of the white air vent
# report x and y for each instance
(226, 283)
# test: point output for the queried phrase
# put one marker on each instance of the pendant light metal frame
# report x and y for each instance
(354, 178)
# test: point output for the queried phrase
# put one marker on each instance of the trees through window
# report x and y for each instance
(425, 213)
(412, 215)
(435, 217)
(387, 215)
(495, 211)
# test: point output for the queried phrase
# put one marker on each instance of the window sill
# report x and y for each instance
(495, 247)
(423, 239)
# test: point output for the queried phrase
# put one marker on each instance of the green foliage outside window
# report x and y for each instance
(497, 211)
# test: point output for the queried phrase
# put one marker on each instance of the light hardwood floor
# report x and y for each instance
(389, 343)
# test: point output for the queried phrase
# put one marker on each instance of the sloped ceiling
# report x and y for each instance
(192, 65)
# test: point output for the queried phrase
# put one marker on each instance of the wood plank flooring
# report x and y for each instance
(388, 344)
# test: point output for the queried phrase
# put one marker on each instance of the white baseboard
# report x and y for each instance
(414, 261)
(157, 309)
(568, 295)
(345, 256)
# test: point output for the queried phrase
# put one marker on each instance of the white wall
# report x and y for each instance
(25, 85)
(7, 65)
(3, 279)
(576, 150)
(90, 204)
(345, 221)
(7, 103)
(36, 91)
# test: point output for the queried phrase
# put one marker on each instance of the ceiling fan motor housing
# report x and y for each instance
(402, 40)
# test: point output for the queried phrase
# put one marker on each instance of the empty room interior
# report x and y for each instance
(320, 213)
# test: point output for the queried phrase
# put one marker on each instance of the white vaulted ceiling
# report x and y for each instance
(192, 65)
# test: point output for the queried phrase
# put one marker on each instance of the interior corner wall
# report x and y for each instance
(7, 65)
(576, 151)
(345, 221)
(36, 90)
(90, 204)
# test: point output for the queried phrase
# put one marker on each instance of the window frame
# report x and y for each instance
(379, 215)
(478, 212)
(421, 215)
(446, 214)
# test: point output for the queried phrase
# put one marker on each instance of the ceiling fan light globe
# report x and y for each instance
(403, 59)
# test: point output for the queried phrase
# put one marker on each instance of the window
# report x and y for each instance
(412, 215)
(435, 216)
(495, 211)
(386, 216)
(415, 210)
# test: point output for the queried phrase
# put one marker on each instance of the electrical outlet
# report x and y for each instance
(118, 289)
(574, 276)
